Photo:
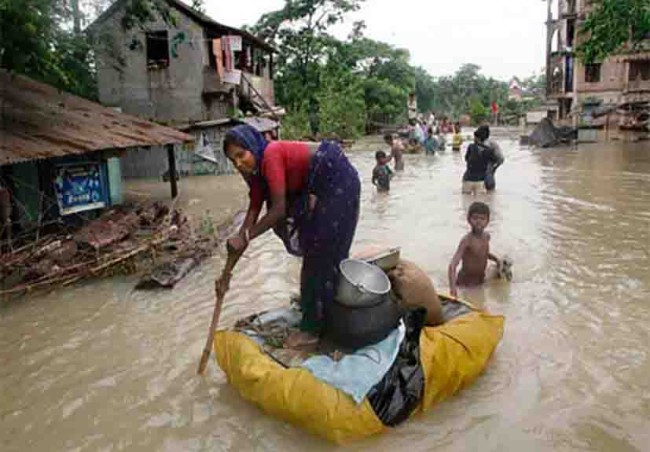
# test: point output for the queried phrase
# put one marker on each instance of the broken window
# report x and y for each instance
(639, 70)
(157, 49)
(592, 73)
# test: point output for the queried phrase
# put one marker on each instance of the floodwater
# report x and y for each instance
(100, 367)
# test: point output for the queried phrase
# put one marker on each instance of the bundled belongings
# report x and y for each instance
(347, 397)
(413, 288)
(547, 135)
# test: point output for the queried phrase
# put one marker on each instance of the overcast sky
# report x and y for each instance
(504, 37)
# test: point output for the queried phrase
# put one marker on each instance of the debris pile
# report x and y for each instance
(122, 240)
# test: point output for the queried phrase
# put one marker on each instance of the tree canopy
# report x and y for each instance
(346, 86)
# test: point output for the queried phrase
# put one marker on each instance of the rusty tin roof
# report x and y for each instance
(38, 121)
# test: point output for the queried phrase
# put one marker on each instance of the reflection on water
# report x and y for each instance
(101, 367)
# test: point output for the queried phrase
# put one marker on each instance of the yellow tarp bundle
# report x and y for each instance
(452, 356)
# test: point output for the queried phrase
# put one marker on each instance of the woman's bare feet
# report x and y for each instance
(300, 339)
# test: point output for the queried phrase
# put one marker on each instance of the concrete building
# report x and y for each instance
(620, 79)
(191, 72)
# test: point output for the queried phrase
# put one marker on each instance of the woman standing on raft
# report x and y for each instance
(312, 197)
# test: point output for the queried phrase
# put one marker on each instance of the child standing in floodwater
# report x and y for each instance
(381, 174)
(457, 138)
(431, 144)
(473, 251)
(396, 151)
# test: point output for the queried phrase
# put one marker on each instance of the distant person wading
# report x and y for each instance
(498, 159)
(312, 196)
(481, 160)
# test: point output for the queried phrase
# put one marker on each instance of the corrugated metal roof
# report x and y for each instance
(261, 124)
(38, 121)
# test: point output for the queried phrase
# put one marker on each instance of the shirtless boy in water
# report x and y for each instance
(396, 151)
(473, 251)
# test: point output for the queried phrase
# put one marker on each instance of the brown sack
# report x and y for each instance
(414, 288)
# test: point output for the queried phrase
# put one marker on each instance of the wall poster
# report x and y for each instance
(79, 187)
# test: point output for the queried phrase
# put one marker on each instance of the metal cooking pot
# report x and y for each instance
(361, 284)
(354, 327)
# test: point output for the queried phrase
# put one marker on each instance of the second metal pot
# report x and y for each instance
(361, 284)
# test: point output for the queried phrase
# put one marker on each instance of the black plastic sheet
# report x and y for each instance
(397, 394)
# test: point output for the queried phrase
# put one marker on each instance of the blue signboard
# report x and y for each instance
(79, 187)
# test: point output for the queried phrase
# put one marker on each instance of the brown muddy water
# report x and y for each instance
(100, 367)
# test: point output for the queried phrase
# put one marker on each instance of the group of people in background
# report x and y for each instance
(483, 155)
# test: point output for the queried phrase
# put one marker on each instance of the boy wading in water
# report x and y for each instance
(396, 151)
(473, 251)
(381, 174)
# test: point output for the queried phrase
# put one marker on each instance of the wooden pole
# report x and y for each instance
(220, 288)
(171, 158)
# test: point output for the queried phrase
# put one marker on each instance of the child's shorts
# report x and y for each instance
(473, 187)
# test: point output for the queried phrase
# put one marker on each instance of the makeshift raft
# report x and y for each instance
(451, 356)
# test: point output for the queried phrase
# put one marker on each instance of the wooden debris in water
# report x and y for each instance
(121, 241)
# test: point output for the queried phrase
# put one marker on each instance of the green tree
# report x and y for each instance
(388, 77)
(342, 110)
(197, 5)
(459, 94)
(36, 40)
(614, 26)
(425, 90)
(42, 38)
(299, 32)
(478, 111)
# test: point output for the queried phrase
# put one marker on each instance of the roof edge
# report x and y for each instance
(201, 18)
